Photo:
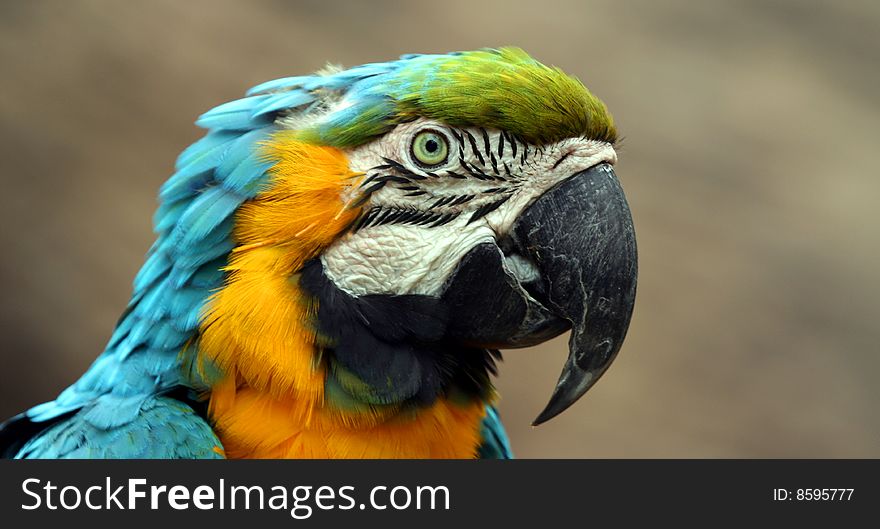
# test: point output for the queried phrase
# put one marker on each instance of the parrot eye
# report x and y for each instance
(429, 148)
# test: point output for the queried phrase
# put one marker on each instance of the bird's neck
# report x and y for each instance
(281, 393)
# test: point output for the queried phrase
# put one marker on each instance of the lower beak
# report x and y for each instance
(579, 236)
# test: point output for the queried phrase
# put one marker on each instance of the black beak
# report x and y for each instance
(582, 239)
(579, 236)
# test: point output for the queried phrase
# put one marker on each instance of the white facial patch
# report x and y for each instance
(419, 220)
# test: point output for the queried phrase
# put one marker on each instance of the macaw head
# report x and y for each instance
(429, 210)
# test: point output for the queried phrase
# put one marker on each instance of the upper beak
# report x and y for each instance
(580, 237)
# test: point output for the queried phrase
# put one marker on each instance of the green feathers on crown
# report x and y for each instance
(503, 89)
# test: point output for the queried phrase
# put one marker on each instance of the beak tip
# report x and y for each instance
(573, 383)
(554, 408)
(540, 419)
(559, 402)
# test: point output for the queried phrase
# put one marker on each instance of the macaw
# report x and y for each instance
(339, 259)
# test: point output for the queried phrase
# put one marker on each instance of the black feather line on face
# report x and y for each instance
(487, 208)
(495, 166)
(458, 138)
(473, 171)
(403, 171)
(396, 179)
(444, 201)
(373, 188)
(395, 345)
(368, 192)
(475, 149)
(445, 219)
(368, 180)
(486, 144)
(379, 217)
(460, 146)
(462, 199)
(388, 215)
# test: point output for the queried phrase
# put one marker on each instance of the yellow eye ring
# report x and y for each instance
(429, 148)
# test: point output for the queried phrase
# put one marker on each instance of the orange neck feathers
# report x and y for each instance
(258, 331)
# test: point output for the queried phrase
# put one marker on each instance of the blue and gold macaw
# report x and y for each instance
(339, 259)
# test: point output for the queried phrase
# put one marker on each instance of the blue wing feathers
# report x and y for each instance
(285, 83)
(208, 210)
(188, 299)
(237, 151)
(200, 276)
(247, 177)
(204, 147)
(188, 262)
(495, 443)
(286, 100)
(207, 275)
(245, 104)
(167, 215)
(235, 115)
(162, 428)
(156, 265)
(165, 336)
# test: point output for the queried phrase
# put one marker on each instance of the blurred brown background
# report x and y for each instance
(750, 161)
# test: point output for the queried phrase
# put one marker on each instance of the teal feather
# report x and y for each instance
(495, 444)
(210, 209)
(185, 309)
(160, 428)
(194, 176)
(207, 275)
(243, 169)
(283, 101)
(168, 214)
(285, 83)
(165, 336)
(204, 147)
(238, 151)
(236, 115)
(156, 265)
(204, 254)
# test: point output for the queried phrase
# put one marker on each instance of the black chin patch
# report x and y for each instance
(391, 349)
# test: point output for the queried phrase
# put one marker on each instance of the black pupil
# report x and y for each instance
(431, 146)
